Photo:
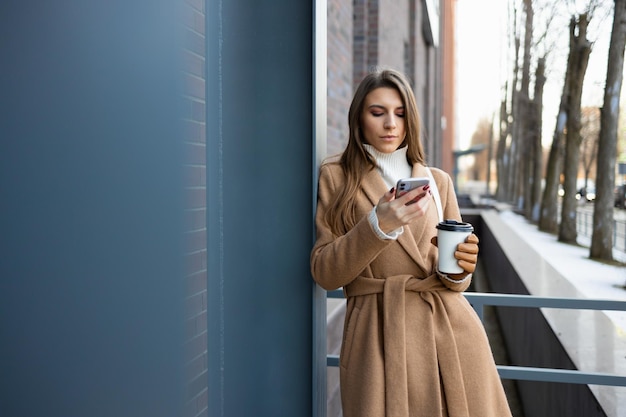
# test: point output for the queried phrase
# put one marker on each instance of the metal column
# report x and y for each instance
(259, 211)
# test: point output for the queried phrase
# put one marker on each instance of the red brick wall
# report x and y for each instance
(195, 210)
(394, 19)
(340, 48)
(363, 34)
(366, 38)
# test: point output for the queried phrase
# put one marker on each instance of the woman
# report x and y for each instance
(412, 344)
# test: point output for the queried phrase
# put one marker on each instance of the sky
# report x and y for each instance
(480, 34)
(483, 65)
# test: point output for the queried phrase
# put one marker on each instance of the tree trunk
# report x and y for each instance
(507, 144)
(601, 240)
(521, 150)
(489, 158)
(501, 160)
(511, 151)
(548, 219)
(537, 150)
(527, 167)
(582, 49)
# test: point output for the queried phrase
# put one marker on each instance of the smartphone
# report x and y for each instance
(407, 184)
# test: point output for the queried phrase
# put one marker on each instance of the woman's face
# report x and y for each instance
(382, 121)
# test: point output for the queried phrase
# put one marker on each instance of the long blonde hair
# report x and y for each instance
(355, 160)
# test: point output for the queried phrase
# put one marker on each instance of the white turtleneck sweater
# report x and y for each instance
(392, 167)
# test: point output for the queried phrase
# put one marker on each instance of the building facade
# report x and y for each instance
(412, 36)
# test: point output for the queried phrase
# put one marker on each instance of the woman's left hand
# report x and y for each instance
(467, 255)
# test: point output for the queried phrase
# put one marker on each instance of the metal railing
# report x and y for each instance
(584, 227)
(480, 300)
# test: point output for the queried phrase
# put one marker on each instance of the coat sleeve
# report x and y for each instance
(338, 260)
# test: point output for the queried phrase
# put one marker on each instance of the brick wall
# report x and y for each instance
(394, 33)
(195, 211)
(425, 84)
(340, 47)
(366, 38)
(363, 34)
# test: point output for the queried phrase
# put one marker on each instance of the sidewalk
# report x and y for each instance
(595, 341)
(592, 278)
(476, 189)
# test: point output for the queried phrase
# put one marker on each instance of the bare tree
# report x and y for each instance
(548, 217)
(521, 128)
(507, 148)
(490, 150)
(521, 137)
(581, 48)
(545, 14)
(601, 240)
(535, 161)
(548, 213)
(502, 162)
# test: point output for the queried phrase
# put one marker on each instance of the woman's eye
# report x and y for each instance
(400, 114)
(377, 114)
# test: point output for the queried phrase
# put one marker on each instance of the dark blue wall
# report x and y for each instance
(259, 176)
(91, 208)
(90, 185)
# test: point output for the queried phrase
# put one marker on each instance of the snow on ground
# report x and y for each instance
(594, 279)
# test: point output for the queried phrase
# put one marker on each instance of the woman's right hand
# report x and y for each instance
(394, 212)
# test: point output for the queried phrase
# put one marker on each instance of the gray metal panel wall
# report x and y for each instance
(91, 192)
(259, 211)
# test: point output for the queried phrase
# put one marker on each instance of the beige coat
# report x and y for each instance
(412, 344)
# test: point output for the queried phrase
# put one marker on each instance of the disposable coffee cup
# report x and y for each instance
(449, 234)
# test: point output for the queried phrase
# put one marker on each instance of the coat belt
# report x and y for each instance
(394, 290)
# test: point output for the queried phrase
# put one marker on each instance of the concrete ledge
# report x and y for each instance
(565, 339)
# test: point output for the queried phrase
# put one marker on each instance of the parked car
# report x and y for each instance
(620, 196)
(588, 194)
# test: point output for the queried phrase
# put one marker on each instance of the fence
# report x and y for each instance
(480, 300)
(584, 227)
